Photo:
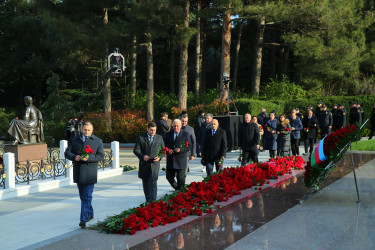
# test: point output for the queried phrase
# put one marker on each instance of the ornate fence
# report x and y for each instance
(51, 167)
(107, 161)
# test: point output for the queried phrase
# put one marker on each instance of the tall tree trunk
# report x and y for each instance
(203, 79)
(150, 79)
(225, 52)
(285, 50)
(107, 84)
(182, 95)
(133, 73)
(171, 66)
(257, 66)
(236, 55)
(273, 63)
(198, 55)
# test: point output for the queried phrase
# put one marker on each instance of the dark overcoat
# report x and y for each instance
(283, 139)
(215, 146)
(144, 147)
(85, 172)
(249, 136)
(269, 138)
(178, 160)
(309, 123)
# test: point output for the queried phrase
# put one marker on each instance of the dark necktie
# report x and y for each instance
(213, 132)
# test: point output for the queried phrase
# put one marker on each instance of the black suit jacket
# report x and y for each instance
(178, 160)
(144, 147)
(249, 136)
(215, 146)
(309, 123)
(85, 172)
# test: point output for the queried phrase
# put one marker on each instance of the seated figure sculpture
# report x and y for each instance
(30, 129)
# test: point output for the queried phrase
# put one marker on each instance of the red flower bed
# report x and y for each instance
(199, 197)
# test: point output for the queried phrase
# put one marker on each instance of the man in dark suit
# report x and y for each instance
(85, 169)
(179, 143)
(249, 140)
(186, 127)
(162, 125)
(310, 128)
(215, 147)
(146, 149)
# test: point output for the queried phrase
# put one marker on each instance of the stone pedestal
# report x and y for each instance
(24, 152)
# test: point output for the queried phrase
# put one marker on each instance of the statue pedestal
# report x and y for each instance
(24, 152)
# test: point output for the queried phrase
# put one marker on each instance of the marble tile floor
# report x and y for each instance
(271, 219)
(29, 221)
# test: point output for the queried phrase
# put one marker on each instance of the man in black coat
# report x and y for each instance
(249, 140)
(178, 141)
(354, 115)
(162, 125)
(372, 122)
(146, 149)
(199, 120)
(325, 121)
(310, 130)
(85, 168)
(206, 125)
(215, 148)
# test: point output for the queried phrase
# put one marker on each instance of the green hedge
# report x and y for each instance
(253, 106)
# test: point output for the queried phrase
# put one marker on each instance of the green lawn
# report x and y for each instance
(365, 145)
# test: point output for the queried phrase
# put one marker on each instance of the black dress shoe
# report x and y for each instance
(82, 224)
(90, 218)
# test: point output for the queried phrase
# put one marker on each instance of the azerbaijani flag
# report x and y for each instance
(317, 156)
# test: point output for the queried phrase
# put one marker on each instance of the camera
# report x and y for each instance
(226, 79)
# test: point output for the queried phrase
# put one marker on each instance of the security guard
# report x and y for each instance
(334, 109)
(372, 122)
(354, 115)
(300, 115)
(318, 109)
(339, 118)
(325, 121)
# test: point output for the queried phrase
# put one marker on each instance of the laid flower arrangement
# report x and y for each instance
(85, 153)
(200, 197)
(330, 149)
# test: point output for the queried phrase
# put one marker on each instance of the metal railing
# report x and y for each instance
(49, 168)
(107, 161)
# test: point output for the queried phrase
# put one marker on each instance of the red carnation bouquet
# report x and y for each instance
(85, 153)
(286, 130)
(161, 151)
(307, 129)
(184, 145)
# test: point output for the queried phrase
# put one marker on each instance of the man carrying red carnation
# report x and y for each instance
(178, 141)
(85, 151)
(146, 149)
(215, 147)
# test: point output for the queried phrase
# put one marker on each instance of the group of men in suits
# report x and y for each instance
(180, 147)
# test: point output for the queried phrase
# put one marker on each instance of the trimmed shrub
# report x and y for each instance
(123, 125)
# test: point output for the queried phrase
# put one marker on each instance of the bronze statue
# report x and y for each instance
(30, 129)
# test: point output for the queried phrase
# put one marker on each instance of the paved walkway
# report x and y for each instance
(331, 219)
(328, 220)
(38, 219)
